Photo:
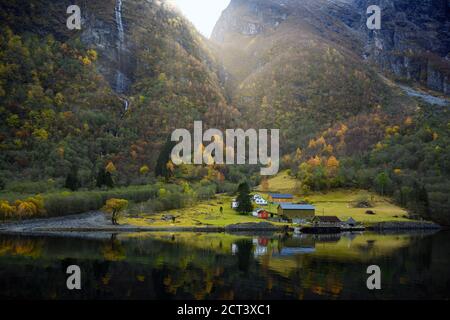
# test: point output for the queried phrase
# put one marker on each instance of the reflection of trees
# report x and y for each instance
(113, 250)
(244, 254)
(22, 247)
(153, 269)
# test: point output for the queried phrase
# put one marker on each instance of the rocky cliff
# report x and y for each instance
(414, 40)
(412, 45)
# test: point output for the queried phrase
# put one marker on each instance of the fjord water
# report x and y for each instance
(224, 266)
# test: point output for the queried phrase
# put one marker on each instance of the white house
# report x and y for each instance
(261, 202)
(256, 197)
(234, 204)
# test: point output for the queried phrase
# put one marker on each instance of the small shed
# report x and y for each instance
(351, 222)
(296, 211)
(281, 197)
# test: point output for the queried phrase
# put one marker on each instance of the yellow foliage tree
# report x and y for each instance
(298, 155)
(315, 162)
(110, 167)
(115, 207)
(25, 209)
(6, 210)
(144, 170)
(332, 164)
(40, 134)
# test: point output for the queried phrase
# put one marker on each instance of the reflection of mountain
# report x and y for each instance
(168, 267)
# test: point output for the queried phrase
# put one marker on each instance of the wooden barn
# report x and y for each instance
(296, 211)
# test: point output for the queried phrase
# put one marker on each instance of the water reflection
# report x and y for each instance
(225, 266)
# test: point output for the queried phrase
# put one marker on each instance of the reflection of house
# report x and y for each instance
(296, 211)
(302, 244)
(327, 221)
(281, 197)
(234, 249)
(260, 247)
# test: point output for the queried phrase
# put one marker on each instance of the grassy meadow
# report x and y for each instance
(337, 203)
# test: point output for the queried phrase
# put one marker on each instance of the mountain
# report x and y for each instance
(74, 103)
(313, 69)
(296, 65)
(110, 92)
(412, 45)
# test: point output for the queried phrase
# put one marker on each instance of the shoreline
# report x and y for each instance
(97, 222)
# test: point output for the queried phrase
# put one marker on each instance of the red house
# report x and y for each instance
(263, 214)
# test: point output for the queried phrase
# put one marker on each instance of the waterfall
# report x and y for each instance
(120, 77)
(119, 22)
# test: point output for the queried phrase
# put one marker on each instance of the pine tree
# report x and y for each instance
(109, 182)
(244, 199)
(101, 177)
(72, 182)
(161, 169)
(424, 202)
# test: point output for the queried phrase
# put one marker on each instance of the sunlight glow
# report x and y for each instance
(202, 13)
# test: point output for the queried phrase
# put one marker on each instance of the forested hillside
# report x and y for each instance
(61, 108)
(305, 67)
(93, 108)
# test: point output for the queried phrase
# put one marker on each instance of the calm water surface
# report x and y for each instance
(223, 266)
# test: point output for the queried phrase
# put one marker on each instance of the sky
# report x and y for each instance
(202, 13)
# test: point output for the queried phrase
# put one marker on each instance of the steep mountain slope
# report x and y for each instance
(313, 69)
(414, 41)
(134, 72)
(297, 67)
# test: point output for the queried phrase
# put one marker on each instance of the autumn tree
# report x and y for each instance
(115, 207)
(144, 170)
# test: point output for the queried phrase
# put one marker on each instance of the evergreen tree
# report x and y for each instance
(72, 182)
(244, 199)
(101, 177)
(109, 182)
(423, 201)
(161, 169)
(104, 178)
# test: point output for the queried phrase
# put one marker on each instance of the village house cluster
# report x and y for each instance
(296, 213)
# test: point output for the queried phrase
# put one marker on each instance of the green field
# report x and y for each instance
(205, 213)
(338, 202)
